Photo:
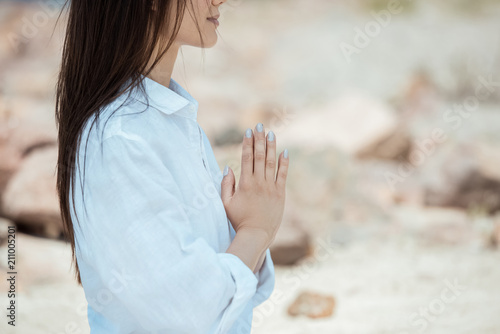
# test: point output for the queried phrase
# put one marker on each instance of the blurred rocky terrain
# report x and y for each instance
(392, 121)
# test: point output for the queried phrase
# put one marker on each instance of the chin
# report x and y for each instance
(210, 39)
(210, 43)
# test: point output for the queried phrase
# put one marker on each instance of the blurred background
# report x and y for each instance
(391, 113)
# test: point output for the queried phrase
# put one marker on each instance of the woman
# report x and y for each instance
(162, 242)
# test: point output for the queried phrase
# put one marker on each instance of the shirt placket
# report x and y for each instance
(202, 152)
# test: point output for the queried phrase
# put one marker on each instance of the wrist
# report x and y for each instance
(260, 263)
(258, 236)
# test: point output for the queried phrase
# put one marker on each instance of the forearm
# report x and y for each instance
(250, 247)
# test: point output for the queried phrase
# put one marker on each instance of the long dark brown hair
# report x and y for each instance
(107, 49)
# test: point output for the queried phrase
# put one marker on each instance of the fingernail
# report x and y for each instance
(285, 153)
(260, 127)
(249, 133)
(270, 136)
(226, 170)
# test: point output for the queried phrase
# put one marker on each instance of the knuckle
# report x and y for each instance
(260, 156)
(271, 164)
(260, 141)
(282, 174)
(244, 183)
(246, 157)
(260, 185)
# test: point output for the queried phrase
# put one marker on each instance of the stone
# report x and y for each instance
(435, 225)
(229, 136)
(291, 244)
(357, 125)
(467, 177)
(395, 145)
(30, 197)
(313, 305)
(18, 139)
(4, 228)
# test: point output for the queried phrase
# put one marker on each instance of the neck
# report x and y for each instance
(162, 72)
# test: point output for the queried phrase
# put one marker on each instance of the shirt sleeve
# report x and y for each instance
(137, 224)
(266, 278)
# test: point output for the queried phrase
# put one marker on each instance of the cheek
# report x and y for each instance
(188, 33)
(192, 21)
(188, 28)
(202, 11)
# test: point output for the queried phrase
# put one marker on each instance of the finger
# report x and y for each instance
(259, 153)
(227, 185)
(282, 170)
(271, 157)
(247, 154)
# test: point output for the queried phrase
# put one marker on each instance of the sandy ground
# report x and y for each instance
(392, 288)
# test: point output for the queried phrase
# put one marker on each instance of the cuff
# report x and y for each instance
(245, 283)
(266, 278)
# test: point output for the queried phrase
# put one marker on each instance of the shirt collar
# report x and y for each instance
(174, 99)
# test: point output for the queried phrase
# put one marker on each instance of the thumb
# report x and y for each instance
(227, 184)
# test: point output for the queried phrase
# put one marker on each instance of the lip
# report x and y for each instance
(214, 17)
(214, 20)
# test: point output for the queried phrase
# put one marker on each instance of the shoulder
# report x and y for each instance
(127, 117)
(124, 119)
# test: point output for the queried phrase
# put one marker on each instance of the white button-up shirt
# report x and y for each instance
(151, 240)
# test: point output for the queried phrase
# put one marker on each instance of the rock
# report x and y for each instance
(17, 139)
(291, 244)
(30, 196)
(229, 136)
(357, 125)
(420, 96)
(4, 228)
(435, 225)
(9, 163)
(27, 29)
(394, 145)
(312, 305)
(468, 177)
(33, 77)
(10, 22)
